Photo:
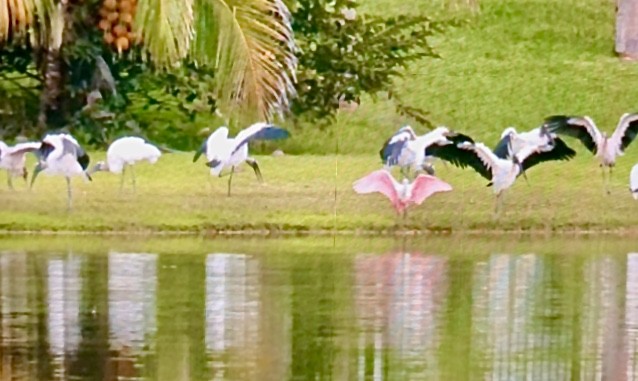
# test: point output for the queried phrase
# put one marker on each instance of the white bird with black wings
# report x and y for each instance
(606, 149)
(13, 159)
(502, 173)
(62, 155)
(223, 152)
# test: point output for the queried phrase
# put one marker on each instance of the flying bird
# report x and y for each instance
(633, 182)
(62, 155)
(123, 153)
(401, 194)
(13, 159)
(606, 149)
(223, 152)
(513, 142)
(501, 173)
(409, 151)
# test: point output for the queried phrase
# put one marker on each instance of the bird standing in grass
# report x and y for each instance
(13, 159)
(502, 173)
(606, 149)
(401, 194)
(633, 182)
(410, 152)
(60, 154)
(223, 152)
(124, 153)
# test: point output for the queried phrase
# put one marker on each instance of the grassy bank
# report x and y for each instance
(176, 195)
(513, 63)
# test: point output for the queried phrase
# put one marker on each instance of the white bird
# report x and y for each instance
(223, 152)
(60, 154)
(409, 152)
(13, 159)
(125, 152)
(401, 194)
(606, 149)
(502, 173)
(513, 142)
(633, 181)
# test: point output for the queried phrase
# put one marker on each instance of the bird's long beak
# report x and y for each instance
(93, 169)
(36, 171)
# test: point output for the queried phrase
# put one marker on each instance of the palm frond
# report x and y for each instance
(166, 27)
(15, 17)
(251, 45)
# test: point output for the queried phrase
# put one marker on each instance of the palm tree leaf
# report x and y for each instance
(166, 27)
(18, 17)
(251, 45)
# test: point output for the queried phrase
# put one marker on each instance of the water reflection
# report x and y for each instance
(400, 315)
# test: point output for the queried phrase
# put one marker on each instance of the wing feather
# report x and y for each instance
(533, 155)
(626, 131)
(581, 127)
(425, 186)
(259, 131)
(460, 155)
(378, 181)
(391, 150)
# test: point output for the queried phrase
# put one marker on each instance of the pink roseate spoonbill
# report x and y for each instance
(60, 154)
(407, 150)
(123, 153)
(13, 158)
(401, 194)
(223, 152)
(633, 182)
(606, 149)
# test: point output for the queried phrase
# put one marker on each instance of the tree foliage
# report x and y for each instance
(345, 54)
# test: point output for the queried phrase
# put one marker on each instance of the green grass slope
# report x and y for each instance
(514, 63)
(299, 196)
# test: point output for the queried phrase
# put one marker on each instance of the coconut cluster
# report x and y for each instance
(117, 23)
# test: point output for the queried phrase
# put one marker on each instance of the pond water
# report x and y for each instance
(440, 309)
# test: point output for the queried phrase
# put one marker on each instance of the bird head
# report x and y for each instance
(521, 170)
(545, 132)
(36, 170)
(100, 166)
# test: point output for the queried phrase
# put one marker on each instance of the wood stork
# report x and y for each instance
(13, 159)
(606, 149)
(409, 152)
(223, 152)
(60, 154)
(401, 194)
(501, 173)
(513, 142)
(125, 152)
(633, 182)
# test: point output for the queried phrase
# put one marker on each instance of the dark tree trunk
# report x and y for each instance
(51, 99)
(627, 29)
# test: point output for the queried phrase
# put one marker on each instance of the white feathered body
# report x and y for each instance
(633, 181)
(59, 162)
(128, 151)
(13, 158)
(413, 155)
(521, 140)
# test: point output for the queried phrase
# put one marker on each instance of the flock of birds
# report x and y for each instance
(60, 154)
(511, 157)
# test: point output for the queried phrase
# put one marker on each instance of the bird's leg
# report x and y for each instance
(253, 163)
(133, 177)
(499, 204)
(68, 194)
(609, 180)
(122, 179)
(9, 180)
(230, 178)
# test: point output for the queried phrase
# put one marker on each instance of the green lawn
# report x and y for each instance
(299, 196)
(512, 64)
